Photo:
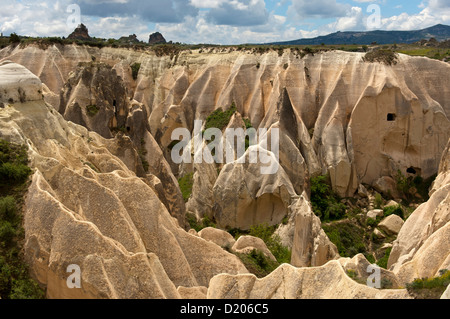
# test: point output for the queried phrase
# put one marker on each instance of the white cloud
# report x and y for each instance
(319, 8)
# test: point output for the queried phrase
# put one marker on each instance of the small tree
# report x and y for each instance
(14, 38)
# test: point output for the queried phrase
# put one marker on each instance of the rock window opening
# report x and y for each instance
(413, 170)
(391, 117)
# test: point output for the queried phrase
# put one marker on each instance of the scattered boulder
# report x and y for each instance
(391, 224)
(375, 213)
(391, 203)
(217, 236)
(387, 186)
(378, 234)
(362, 191)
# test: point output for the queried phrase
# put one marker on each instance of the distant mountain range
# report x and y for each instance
(439, 32)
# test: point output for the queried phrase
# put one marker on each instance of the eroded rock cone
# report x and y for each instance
(80, 33)
(156, 38)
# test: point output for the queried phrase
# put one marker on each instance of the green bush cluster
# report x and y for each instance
(220, 119)
(325, 203)
(348, 238)
(14, 38)
(257, 263)
(384, 260)
(405, 185)
(272, 241)
(197, 225)
(385, 56)
(430, 288)
(13, 164)
(15, 282)
(394, 210)
(135, 67)
(92, 110)
(186, 183)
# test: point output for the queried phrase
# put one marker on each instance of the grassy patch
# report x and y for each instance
(394, 210)
(15, 282)
(384, 261)
(197, 225)
(408, 186)
(135, 67)
(92, 110)
(430, 288)
(272, 241)
(14, 168)
(325, 203)
(257, 263)
(219, 119)
(384, 56)
(349, 238)
(186, 183)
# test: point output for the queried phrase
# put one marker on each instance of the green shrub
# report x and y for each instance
(197, 225)
(430, 288)
(257, 263)
(384, 261)
(14, 38)
(248, 123)
(394, 210)
(378, 201)
(7, 208)
(7, 234)
(348, 238)
(272, 241)
(92, 110)
(135, 67)
(371, 222)
(385, 56)
(220, 119)
(325, 203)
(335, 211)
(13, 172)
(186, 183)
(26, 289)
(15, 282)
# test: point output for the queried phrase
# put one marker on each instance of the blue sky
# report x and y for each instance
(219, 21)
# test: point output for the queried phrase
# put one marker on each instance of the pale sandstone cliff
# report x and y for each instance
(85, 206)
(369, 119)
(422, 247)
(350, 105)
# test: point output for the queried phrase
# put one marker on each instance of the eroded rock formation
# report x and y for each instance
(93, 203)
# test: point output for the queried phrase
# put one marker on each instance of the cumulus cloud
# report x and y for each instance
(238, 13)
(210, 21)
(170, 11)
(319, 8)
